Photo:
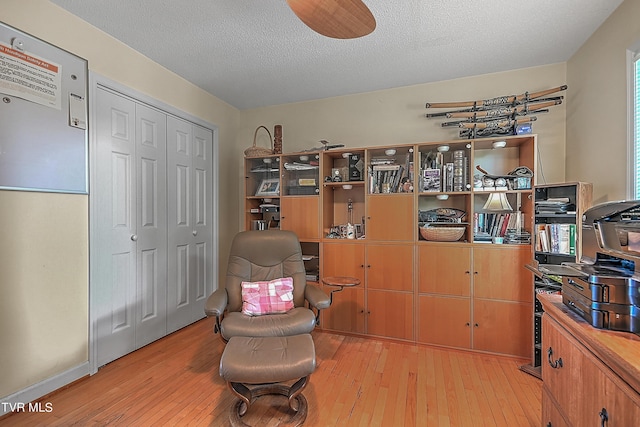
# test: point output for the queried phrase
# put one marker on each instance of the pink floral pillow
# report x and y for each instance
(275, 296)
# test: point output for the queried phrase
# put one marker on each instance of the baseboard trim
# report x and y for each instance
(45, 387)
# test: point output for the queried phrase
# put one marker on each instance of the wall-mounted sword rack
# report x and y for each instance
(503, 115)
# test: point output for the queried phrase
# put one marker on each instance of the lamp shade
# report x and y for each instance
(497, 202)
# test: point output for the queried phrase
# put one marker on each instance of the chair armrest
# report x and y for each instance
(317, 299)
(216, 303)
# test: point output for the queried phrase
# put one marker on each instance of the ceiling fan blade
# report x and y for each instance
(339, 19)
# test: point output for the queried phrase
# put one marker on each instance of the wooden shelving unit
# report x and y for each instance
(579, 198)
(457, 294)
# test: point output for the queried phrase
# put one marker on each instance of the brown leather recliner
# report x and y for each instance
(257, 256)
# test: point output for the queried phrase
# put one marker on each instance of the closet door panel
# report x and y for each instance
(203, 217)
(151, 291)
(180, 288)
(190, 221)
(114, 269)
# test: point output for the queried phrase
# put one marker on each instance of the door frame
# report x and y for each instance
(95, 81)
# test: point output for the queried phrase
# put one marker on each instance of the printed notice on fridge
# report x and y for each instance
(29, 77)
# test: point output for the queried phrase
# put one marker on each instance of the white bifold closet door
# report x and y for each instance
(152, 235)
(131, 225)
(190, 263)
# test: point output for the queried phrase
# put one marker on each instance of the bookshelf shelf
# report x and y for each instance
(557, 206)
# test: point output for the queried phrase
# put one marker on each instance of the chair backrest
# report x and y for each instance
(264, 255)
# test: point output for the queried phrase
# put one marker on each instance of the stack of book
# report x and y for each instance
(386, 176)
(517, 237)
(557, 205)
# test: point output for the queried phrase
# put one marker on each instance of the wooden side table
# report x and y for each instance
(340, 282)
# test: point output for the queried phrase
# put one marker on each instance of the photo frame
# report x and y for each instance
(269, 187)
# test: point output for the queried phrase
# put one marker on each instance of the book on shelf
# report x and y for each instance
(494, 224)
(386, 167)
(447, 177)
(385, 178)
(431, 180)
(572, 239)
(558, 238)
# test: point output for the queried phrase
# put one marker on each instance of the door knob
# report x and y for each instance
(134, 237)
(194, 232)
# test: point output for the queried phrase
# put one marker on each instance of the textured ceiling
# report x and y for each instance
(254, 53)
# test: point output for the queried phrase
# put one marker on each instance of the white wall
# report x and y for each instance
(597, 106)
(44, 244)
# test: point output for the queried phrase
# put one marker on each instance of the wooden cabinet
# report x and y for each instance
(389, 267)
(347, 311)
(301, 215)
(494, 275)
(386, 273)
(502, 327)
(462, 294)
(444, 289)
(502, 299)
(340, 258)
(591, 376)
(390, 314)
(389, 284)
(499, 273)
(390, 217)
(444, 269)
(444, 320)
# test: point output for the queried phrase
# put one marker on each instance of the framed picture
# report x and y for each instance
(269, 187)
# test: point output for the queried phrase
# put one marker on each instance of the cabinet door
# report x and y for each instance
(561, 371)
(343, 259)
(499, 273)
(444, 269)
(551, 415)
(300, 215)
(390, 314)
(611, 395)
(390, 267)
(346, 313)
(444, 321)
(502, 327)
(390, 217)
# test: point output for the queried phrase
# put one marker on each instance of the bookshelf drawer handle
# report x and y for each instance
(575, 284)
(557, 364)
(604, 417)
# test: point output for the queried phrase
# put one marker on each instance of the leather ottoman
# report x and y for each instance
(266, 362)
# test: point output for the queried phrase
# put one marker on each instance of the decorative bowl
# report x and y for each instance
(442, 233)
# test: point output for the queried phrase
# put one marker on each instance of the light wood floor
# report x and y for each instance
(358, 382)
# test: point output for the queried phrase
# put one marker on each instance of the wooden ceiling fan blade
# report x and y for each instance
(339, 19)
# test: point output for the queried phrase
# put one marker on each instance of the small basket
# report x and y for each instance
(442, 233)
(254, 151)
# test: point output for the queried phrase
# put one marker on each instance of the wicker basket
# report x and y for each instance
(442, 233)
(254, 151)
